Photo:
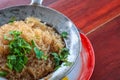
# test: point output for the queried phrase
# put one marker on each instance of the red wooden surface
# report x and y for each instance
(88, 15)
(106, 44)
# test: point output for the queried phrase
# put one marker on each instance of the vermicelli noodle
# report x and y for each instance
(46, 39)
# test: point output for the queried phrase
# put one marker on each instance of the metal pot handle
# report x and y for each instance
(36, 2)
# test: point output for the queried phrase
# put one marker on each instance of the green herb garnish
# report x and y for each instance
(45, 57)
(17, 58)
(67, 63)
(33, 43)
(3, 73)
(64, 34)
(39, 53)
(62, 57)
(64, 54)
(57, 59)
(12, 19)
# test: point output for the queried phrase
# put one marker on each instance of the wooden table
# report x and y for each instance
(100, 21)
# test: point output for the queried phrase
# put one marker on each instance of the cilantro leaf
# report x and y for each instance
(11, 61)
(5, 37)
(38, 53)
(64, 34)
(15, 33)
(3, 73)
(16, 63)
(12, 19)
(11, 57)
(44, 57)
(61, 57)
(18, 45)
(67, 63)
(56, 59)
(56, 67)
(19, 65)
(25, 59)
(64, 53)
(17, 59)
(33, 43)
(9, 65)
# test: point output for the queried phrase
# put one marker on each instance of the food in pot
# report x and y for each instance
(30, 50)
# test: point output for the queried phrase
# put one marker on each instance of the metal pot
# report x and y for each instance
(59, 21)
